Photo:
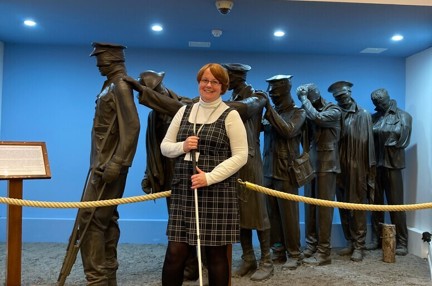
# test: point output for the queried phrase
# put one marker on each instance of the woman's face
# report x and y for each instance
(209, 87)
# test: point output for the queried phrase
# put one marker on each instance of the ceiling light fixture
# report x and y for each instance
(29, 23)
(216, 33)
(397, 38)
(157, 28)
(279, 33)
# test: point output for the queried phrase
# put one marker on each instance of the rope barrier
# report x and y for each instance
(248, 185)
(335, 204)
(86, 204)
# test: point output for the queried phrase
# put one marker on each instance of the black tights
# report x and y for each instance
(175, 259)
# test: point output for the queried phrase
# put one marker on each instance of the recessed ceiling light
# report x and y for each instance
(29, 23)
(397, 38)
(216, 33)
(279, 33)
(157, 28)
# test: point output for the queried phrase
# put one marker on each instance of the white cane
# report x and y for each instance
(193, 154)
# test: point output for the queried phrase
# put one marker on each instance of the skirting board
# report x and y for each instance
(153, 232)
(132, 231)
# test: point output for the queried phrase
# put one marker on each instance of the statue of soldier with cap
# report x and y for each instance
(283, 126)
(114, 141)
(159, 171)
(253, 209)
(392, 133)
(323, 133)
(356, 182)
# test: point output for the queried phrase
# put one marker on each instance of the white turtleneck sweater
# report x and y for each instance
(235, 130)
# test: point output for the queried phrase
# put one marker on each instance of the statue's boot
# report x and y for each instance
(248, 263)
(348, 250)
(111, 263)
(279, 253)
(93, 258)
(266, 268)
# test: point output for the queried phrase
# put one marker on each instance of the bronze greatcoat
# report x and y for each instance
(253, 210)
(357, 177)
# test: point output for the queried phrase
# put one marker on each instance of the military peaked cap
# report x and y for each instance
(151, 78)
(110, 52)
(279, 81)
(236, 67)
(340, 87)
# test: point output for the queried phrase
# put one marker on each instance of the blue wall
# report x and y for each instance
(49, 94)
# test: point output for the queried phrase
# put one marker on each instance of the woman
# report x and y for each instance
(217, 136)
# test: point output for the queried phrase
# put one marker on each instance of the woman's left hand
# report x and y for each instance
(199, 179)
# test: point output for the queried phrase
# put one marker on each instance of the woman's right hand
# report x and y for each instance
(191, 143)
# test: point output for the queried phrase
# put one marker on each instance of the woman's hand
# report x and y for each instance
(199, 179)
(191, 143)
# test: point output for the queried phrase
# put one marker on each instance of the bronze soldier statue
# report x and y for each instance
(159, 171)
(357, 158)
(115, 134)
(253, 210)
(283, 125)
(323, 127)
(392, 132)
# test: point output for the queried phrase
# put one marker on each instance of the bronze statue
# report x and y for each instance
(160, 169)
(357, 158)
(252, 205)
(323, 133)
(392, 132)
(282, 125)
(114, 141)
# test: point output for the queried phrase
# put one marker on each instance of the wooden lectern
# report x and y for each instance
(19, 161)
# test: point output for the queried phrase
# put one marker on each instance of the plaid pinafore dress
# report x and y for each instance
(217, 204)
